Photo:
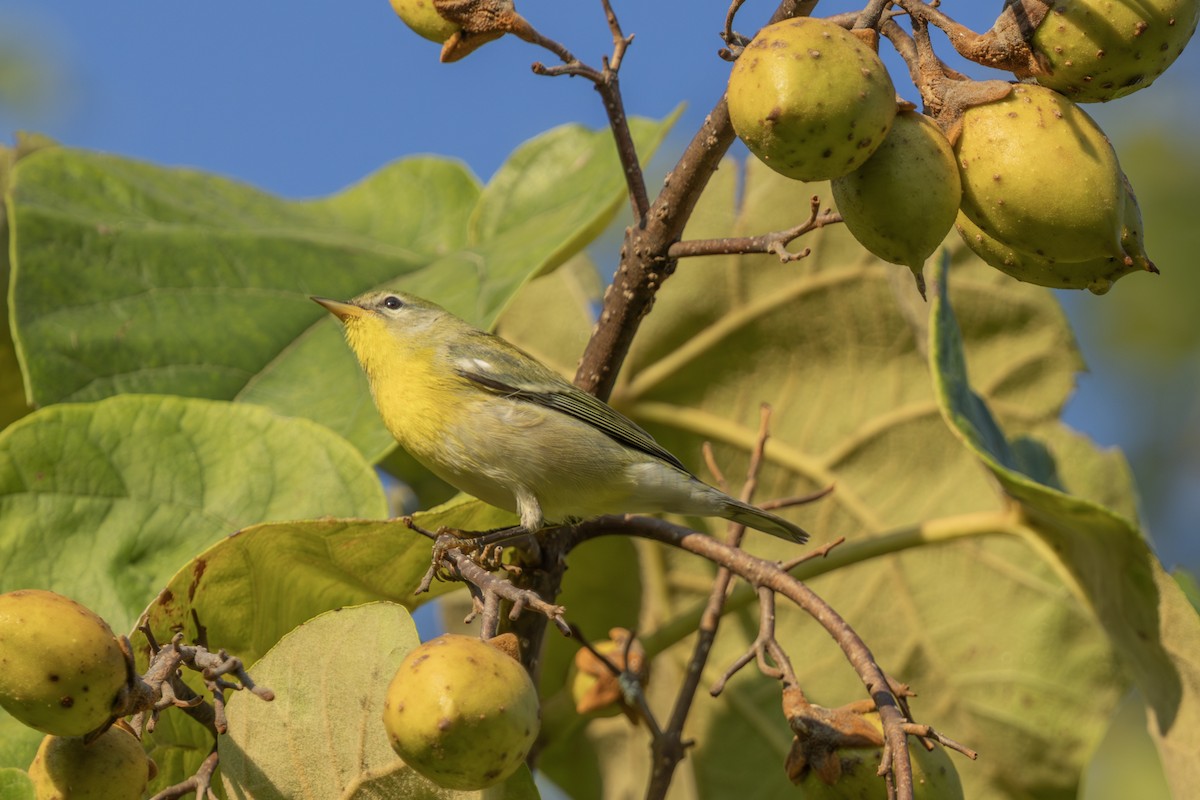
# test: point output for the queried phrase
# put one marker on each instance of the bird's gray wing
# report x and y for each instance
(499, 367)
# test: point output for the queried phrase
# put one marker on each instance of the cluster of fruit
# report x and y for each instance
(1029, 181)
(62, 672)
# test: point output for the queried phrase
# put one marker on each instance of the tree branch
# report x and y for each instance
(769, 574)
(775, 242)
(670, 748)
(645, 262)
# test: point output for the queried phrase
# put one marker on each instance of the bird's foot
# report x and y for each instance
(485, 548)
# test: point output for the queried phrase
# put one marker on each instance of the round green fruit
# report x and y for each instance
(1097, 275)
(61, 669)
(461, 713)
(810, 99)
(1098, 50)
(1040, 175)
(902, 202)
(113, 767)
(422, 17)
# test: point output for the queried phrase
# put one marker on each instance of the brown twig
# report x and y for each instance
(870, 16)
(607, 82)
(669, 749)
(775, 242)
(927, 732)
(200, 783)
(452, 563)
(760, 572)
(645, 263)
(161, 686)
(820, 552)
(765, 649)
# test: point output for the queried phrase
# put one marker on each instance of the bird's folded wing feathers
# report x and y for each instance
(508, 371)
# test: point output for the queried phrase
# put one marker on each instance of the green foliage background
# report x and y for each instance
(993, 559)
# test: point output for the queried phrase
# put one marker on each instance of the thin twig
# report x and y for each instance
(769, 574)
(870, 16)
(669, 749)
(927, 732)
(775, 242)
(820, 552)
(607, 83)
(200, 783)
(765, 649)
(645, 263)
(454, 563)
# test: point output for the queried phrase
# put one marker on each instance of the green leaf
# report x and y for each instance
(325, 727)
(250, 589)
(1126, 763)
(103, 501)
(205, 281)
(401, 782)
(330, 675)
(18, 742)
(1189, 586)
(836, 344)
(15, 784)
(12, 393)
(1101, 555)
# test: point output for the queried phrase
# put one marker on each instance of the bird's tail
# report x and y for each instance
(751, 517)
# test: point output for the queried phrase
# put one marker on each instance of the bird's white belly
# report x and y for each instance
(513, 452)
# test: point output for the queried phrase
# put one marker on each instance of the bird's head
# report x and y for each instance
(381, 321)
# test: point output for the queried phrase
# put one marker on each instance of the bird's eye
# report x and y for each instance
(392, 302)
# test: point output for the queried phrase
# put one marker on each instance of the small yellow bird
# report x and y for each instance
(494, 422)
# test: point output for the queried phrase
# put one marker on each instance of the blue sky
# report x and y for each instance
(306, 97)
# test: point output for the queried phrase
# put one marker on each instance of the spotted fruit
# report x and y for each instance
(113, 767)
(461, 712)
(902, 202)
(60, 667)
(810, 99)
(1098, 50)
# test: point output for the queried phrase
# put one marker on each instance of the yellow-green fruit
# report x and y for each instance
(1096, 275)
(113, 767)
(60, 667)
(1097, 50)
(810, 99)
(422, 17)
(461, 713)
(1038, 174)
(934, 775)
(902, 202)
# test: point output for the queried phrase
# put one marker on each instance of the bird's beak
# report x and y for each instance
(343, 311)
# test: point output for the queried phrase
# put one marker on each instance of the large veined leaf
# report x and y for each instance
(129, 277)
(250, 589)
(12, 398)
(104, 501)
(1101, 554)
(15, 784)
(323, 735)
(1004, 656)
